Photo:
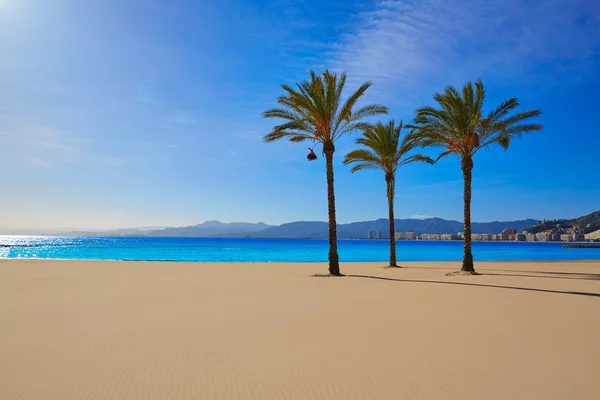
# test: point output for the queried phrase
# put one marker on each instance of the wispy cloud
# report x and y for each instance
(27, 142)
(401, 44)
(183, 119)
(147, 94)
(33, 161)
(114, 161)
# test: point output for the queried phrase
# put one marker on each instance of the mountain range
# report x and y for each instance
(358, 230)
(311, 229)
(212, 229)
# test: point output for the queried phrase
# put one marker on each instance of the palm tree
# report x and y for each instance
(385, 151)
(460, 127)
(314, 111)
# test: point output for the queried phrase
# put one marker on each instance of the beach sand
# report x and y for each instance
(132, 330)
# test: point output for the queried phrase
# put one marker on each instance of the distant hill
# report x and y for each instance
(308, 229)
(357, 230)
(589, 223)
(586, 224)
(211, 229)
(292, 230)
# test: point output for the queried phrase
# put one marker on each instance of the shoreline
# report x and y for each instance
(291, 262)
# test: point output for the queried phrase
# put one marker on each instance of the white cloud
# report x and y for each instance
(402, 44)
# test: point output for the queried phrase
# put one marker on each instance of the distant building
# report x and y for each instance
(507, 233)
(530, 237)
(520, 237)
(405, 235)
(481, 236)
(577, 237)
(542, 237)
(566, 237)
(430, 236)
(593, 235)
(370, 235)
(555, 237)
(379, 235)
(449, 236)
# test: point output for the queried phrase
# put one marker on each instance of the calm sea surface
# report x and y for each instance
(201, 249)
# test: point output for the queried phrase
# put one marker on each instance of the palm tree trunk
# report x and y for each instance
(334, 262)
(389, 178)
(467, 167)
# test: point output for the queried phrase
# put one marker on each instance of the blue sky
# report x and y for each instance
(120, 113)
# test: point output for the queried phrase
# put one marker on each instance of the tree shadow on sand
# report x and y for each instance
(556, 275)
(527, 274)
(475, 284)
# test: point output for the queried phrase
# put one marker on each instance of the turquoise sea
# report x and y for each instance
(272, 250)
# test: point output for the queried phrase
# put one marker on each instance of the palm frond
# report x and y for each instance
(346, 109)
(364, 165)
(503, 109)
(313, 109)
(458, 123)
(521, 116)
(279, 134)
(442, 155)
(418, 158)
(361, 155)
(385, 148)
(301, 137)
(370, 110)
(281, 113)
(502, 140)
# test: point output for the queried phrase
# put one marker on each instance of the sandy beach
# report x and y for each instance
(134, 330)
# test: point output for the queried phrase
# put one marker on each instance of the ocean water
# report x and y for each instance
(272, 250)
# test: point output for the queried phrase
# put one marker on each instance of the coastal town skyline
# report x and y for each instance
(507, 235)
